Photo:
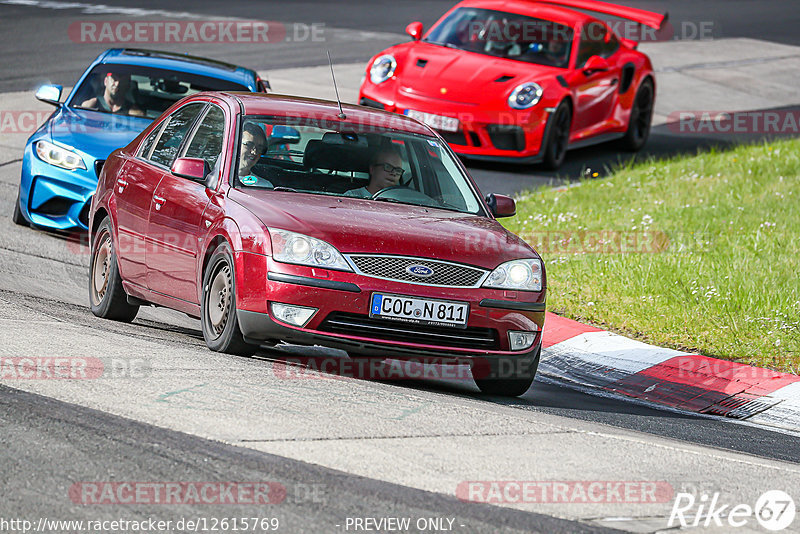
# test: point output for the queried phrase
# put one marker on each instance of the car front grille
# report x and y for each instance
(387, 330)
(395, 268)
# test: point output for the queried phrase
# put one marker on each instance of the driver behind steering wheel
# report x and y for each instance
(385, 170)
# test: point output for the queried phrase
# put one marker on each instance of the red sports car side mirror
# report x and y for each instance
(595, 64)
(195, 169)
(415, 30)
(501, 205)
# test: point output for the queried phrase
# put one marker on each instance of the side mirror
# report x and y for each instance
(415, 30)
(50, 94)
(595, 64)
(501, 205)
(194, 169)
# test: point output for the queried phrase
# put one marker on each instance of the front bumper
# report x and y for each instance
(55, 198)
(484, 133)
(342, 320)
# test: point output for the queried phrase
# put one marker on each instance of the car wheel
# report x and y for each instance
(641, 117)
(510, 378)
(555, 146)
(17, 217)
(218, 309)
(107, 298)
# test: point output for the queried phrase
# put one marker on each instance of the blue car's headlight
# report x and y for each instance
(291, 247)
(525, 275)
(382, 68)
(59, 156)
(525, 95)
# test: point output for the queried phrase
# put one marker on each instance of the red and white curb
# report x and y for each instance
(593, 358)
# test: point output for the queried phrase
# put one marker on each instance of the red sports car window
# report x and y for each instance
(507, 35)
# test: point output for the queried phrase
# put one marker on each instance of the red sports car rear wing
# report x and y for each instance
(648, 18)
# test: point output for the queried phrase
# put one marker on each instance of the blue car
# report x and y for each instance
(120, 93)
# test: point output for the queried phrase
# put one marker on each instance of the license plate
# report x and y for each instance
(419, 311)
(447, 124)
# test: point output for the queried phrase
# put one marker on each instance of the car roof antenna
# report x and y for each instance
(341, 111)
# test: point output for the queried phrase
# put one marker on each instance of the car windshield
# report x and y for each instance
(141, 91)
(358, 161)
(507, 35)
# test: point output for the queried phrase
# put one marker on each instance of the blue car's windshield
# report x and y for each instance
(507, 35)
(141, 91)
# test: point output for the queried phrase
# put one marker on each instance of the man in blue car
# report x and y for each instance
(114, 98)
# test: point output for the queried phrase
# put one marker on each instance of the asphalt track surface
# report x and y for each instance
(49, 444)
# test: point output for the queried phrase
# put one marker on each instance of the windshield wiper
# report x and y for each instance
(448, 45)
(289, 189)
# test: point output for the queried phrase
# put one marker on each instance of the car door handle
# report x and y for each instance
(122, 184)
(159, 201)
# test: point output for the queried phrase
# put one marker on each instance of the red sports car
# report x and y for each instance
(274, 218)
(520, 80)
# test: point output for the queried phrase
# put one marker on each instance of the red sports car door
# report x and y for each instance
(596, 91)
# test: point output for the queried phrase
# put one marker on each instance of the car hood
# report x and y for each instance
(461, 76)
(92, 132)
(363, 226)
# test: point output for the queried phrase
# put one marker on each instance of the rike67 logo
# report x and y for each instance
(774, 511)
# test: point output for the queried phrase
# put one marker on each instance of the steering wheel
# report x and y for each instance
(385, 189)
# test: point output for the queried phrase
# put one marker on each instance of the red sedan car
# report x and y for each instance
(274, 218)
(520, 80)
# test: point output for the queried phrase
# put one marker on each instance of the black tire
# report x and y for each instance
(107, 298)
(498, 382)
(218, 306)
(640, 120)
(555, 146)
(17, 217)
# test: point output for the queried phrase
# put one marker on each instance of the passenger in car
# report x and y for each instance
(254, 144)
(115, 96)
(385, 170)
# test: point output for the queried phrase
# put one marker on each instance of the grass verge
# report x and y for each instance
(697, 253)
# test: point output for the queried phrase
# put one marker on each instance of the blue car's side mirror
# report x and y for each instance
(50, 94)
(284, 135)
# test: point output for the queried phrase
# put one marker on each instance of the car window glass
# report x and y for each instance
(352, 160)
(207, 141)
(146, 91)
(504, 34)
(173, 134)
(148, 143)
(593, 43)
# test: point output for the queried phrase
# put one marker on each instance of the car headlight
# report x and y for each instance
(59, 156)
(291, 247)
(525, 95)
(382, 68)
(525, 275)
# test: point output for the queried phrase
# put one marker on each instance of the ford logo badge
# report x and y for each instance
(419, 270)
